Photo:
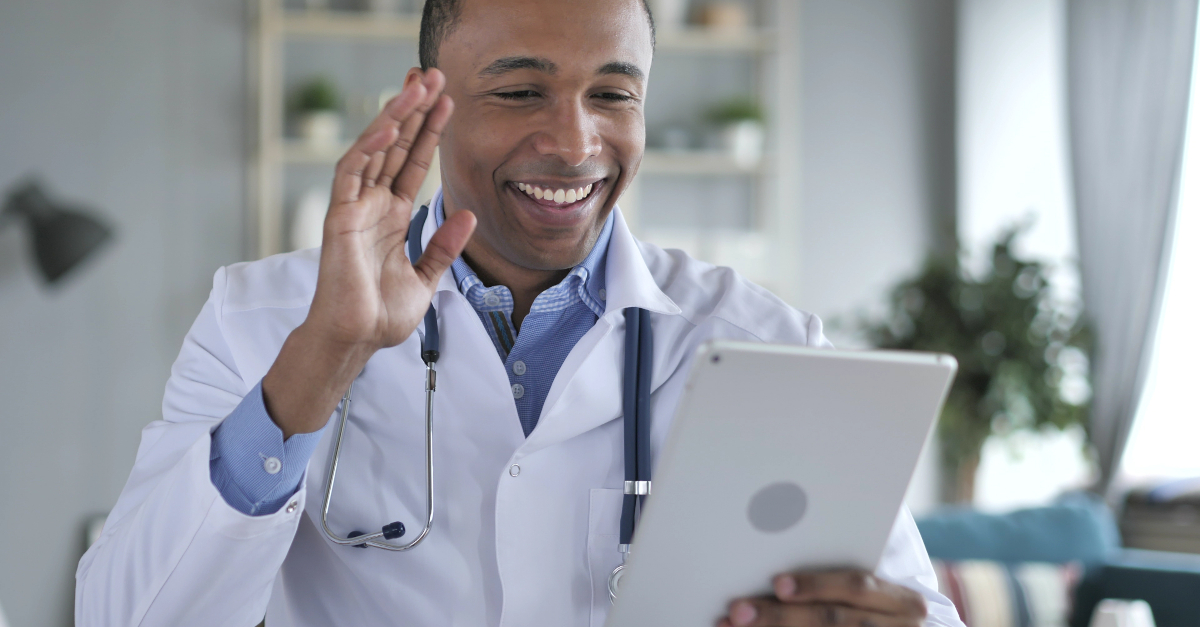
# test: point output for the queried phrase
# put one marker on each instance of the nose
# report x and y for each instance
(571, 135)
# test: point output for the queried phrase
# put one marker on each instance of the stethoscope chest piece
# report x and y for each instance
(614, 581)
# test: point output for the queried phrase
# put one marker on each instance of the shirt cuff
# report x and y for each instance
(251, 465)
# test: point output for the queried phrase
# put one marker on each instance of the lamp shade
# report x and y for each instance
(63, 236)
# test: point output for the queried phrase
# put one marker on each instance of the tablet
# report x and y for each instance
(780, 458)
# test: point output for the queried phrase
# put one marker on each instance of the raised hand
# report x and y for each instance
(367, 290)
(369, 295)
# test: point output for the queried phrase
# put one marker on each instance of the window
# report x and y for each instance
(1163, 442)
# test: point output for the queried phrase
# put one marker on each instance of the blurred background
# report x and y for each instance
(1013, 181)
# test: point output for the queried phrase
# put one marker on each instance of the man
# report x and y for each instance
(538, 108)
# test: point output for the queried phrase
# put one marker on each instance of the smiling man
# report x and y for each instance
(537, 106)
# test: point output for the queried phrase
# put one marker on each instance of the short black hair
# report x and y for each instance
(440, 17)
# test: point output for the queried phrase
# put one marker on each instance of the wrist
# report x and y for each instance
(309, 377)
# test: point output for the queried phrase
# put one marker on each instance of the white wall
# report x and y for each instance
(878, 174)
(134, 107)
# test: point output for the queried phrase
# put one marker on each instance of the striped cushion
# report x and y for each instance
(995, 594)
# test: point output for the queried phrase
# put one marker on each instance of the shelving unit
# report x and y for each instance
(774, 57)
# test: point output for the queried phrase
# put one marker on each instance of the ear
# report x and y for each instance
(414, 74)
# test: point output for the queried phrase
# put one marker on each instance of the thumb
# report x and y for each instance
(445, 246)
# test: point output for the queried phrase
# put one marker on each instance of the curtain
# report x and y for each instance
(1129, 68)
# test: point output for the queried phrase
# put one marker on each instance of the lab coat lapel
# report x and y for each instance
(587, 392)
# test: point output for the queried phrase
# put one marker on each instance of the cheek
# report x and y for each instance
(626, 134)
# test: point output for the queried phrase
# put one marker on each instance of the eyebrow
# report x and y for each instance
(510, 64)
(622, 67)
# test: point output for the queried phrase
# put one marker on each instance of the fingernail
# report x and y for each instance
(742, 613)
(785, 587)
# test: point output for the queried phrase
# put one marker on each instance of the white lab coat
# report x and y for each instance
(509, 547)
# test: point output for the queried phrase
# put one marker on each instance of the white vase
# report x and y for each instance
(320, 129)
(743, 141)
(308, 219)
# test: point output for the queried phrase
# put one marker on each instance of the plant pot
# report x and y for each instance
(320, 129)
(308, 219)
(743, 141)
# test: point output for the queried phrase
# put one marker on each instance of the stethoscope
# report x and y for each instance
(639, 360)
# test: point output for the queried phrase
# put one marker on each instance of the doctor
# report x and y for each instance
(538, 108)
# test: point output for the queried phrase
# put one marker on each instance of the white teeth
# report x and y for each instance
(558, 195)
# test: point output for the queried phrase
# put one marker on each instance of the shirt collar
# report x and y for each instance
(591, 270)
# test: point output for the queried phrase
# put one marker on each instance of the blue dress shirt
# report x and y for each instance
(256, 471)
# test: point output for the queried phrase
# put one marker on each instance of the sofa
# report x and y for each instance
(1078, 530)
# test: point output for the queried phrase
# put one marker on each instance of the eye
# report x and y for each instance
(612, 96)
(521, 94)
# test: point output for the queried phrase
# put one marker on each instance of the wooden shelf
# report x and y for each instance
(701, 39)
(351, 25)
(400, 27)
(696, 163)
(302, 153)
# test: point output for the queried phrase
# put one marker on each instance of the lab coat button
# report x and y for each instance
(518, 368)
(291, 507)
(518, 390)
(272, 465)
(514, 470)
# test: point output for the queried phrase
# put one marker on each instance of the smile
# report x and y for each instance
(555, 196)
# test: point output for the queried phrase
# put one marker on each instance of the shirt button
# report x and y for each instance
(518, 368)
(491, 300)
(272, 465)
(514, 470)
(291, 507)
(602, 294)
(518, 390)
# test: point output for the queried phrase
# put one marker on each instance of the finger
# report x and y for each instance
(445, 246)
(417, 166)
(399, 107)
(398, 153)
(348, 174)
(371, 172)
(771, 613)
(854, 588)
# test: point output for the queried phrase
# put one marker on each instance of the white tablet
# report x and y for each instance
(780, 458)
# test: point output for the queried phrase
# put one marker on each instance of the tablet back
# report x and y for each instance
(780, 458)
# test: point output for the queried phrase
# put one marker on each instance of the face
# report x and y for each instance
(548, 101)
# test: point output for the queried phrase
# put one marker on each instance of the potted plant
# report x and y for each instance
(1021, 353)
(316, 106)
(740, 130)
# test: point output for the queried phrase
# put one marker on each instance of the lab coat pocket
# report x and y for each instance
(604, 525)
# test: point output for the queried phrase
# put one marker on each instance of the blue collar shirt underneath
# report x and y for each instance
(559, 317)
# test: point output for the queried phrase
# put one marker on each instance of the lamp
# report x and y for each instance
(63, 236)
